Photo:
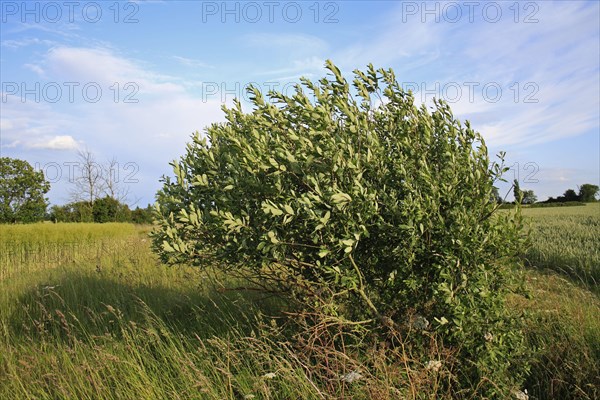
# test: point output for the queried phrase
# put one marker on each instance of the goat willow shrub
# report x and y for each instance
(360, 191)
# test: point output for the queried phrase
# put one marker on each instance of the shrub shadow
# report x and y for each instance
(87, 306)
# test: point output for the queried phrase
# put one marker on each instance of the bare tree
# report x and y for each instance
(89, 184)
(111, 182)
(96, 180)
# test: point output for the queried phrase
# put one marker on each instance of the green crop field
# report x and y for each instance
(567, 240)
(87, 312)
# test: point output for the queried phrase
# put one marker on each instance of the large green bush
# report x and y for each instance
(358, 194)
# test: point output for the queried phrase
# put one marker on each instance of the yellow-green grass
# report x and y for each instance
(103, 319)
(566, 240)
(563, 332)
(25, 248)
(122, 326)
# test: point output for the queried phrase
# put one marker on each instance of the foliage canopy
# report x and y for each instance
(22, 191)
(588, 192)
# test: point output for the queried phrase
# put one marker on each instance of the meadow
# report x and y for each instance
(88, 312)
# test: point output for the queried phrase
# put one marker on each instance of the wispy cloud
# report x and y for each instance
(188, 62)
(297, 68)
(37, 69)
(299, 43)
(559, 64)
(105, 67)
(149, 133)
(170, 74)
(18, 43)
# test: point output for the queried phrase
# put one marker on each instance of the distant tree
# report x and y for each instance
(496, 195)
(569, 195)
(108, 209)
(105, 209)
(517, 192)
(529, 197)
(22, 191)
(112, 187)
(523, 196)
(81, 211)
(89, 184)
(588, 192)
(78, 211)
(96, 180)
(59, 214)
(142, 215)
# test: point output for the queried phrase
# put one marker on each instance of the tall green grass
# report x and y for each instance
(103, 319)
(563, 331)
(122, 326)
(564, 308)
(566, 240)
(26, 248)
(119, 325)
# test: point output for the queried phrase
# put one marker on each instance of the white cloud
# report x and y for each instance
(103, 66)
(11, 145)
(291, 55)
(27, 122)
(411, 41)
(64, 142)
(149, 133)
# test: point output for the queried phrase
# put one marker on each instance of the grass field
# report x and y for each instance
(87, 312)
(566, 240)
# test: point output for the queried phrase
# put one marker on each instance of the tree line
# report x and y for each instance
(96, 195)
(587, 193)
(105, 209)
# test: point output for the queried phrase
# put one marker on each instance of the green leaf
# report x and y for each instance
(340, 198)
(289, 209)
(348, 242)
(325, 218)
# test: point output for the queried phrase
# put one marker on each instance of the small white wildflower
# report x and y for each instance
(488, 337)
(269, 375)
(249, 396)
(351, 377)
(433, 365)
(521, 395)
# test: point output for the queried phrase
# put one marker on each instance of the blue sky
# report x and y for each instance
(133, 80)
